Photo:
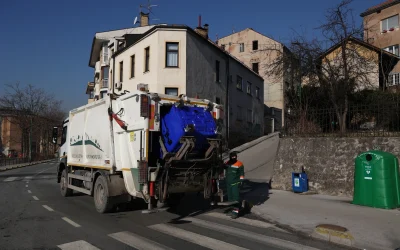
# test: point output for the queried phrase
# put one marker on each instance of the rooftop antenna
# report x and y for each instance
(148, 7)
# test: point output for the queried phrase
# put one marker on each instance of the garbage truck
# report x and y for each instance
(141, 145)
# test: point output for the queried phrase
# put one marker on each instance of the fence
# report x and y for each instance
(12, 161)
(381, 120)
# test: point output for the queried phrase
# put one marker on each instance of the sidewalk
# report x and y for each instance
(21, 165)
(371, 228)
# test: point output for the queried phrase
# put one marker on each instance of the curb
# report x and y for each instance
(335, 236)
(22, 165)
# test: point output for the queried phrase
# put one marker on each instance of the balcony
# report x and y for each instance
(97, 68)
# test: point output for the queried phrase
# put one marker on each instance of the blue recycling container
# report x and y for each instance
(299, 182)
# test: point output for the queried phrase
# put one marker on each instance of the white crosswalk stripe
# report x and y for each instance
(80, 244)
(11, 179)
(186, 235)
(195, 238)
(27, 178)
(246, 234)
(137, 241)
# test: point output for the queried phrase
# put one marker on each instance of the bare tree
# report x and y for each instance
(34, 111)
(339, 65)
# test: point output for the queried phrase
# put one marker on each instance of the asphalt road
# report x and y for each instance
(34, 215)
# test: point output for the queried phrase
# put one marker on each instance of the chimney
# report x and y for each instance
(144, 19)
(203, 31)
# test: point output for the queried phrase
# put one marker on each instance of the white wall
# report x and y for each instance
(158, 77)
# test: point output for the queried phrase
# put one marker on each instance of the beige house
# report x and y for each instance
(381, 29)
(175, 60)
(258, 51)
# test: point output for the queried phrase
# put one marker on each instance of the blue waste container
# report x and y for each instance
(299, 182)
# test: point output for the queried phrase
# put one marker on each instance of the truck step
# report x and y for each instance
(79, 177)
(82, 190)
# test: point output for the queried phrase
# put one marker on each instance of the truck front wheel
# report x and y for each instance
(102, 200)
(65, 191)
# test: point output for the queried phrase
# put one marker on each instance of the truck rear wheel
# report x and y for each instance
(65, 191)
(102, 200)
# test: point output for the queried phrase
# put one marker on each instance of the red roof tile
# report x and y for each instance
(380, 6)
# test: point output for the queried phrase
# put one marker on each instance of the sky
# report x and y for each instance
(47, 43)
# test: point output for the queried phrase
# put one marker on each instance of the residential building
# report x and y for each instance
(381, 29)
(258, 51)
(10, 134)
(14, 142)
(175, 60)
(377, 64)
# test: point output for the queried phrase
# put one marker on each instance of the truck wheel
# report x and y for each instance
(102, 201)
(65, 191)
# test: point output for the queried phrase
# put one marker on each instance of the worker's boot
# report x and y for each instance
(235, 213)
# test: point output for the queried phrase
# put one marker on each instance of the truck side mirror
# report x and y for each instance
(55, 135)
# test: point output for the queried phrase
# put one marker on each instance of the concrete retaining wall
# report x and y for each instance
(329, 162)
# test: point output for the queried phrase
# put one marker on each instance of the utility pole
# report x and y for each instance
(30, 139)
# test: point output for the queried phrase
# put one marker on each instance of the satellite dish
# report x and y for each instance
(135, 21)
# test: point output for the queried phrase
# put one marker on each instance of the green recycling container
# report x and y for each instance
(376, 180)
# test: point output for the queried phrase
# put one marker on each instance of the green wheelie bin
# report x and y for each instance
(376, 180)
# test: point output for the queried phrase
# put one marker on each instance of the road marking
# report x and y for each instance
(80, 244)
(194, 238)
(28, 177)
(71, 222)
(48, 208)
(10, 179)
(137, 241)
(26, 185)
(249, 235)
(246, 221)
(43, 171)
(36, 198)
(29, 191)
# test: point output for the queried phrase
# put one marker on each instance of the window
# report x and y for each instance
(255, 67)
(394, 49)
(171, 91)
(393, 79)
(172, 52)
(104, 76)
(249, 88)
(239, 82)
(132, 66)
(241, 47)
(147, 59)
(91, 94)
(64, 135)
(121, 71)
(249, 116)
(257, 92)
(223, 46)
(391, 22)
(217, 79)
(255, 45)
(104, 53)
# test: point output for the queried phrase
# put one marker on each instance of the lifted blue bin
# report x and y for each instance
(299, 182)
